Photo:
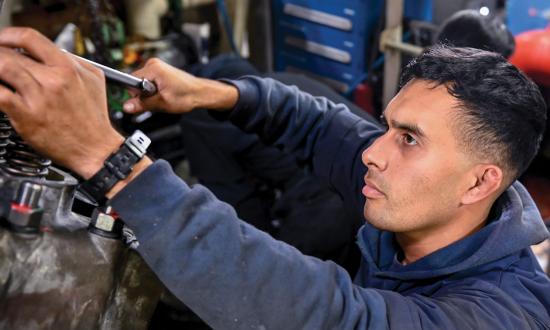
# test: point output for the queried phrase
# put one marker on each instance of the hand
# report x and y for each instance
(179, 92)
(59, 105)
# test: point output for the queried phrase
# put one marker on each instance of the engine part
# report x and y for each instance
(22, 160)
(55, 273)
(66, 277)
(25, 214)
(105, 223)
(5, 131)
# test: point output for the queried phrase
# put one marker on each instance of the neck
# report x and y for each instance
(419, 243)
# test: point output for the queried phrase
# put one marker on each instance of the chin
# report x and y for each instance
(380, 225)
(375, 220)
(381, 219)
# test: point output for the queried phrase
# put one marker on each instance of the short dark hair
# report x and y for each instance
(502, 112)
(468, 28)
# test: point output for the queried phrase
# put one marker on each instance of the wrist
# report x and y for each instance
(216, 95)
(118, 169)
(139, 167)
(94, 159)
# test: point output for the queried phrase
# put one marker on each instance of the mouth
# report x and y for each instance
(371, 191)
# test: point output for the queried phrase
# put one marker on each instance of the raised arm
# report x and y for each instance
(322, 134)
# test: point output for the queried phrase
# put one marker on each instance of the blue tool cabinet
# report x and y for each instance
(329, 39)
(324, 38)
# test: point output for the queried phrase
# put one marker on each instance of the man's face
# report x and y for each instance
(416, 171)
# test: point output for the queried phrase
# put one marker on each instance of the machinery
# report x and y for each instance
(63, 264)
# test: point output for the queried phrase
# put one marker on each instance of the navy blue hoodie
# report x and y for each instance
(237, 277)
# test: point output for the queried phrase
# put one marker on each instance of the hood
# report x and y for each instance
(515, 224)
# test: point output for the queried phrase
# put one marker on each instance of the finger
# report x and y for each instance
(11, 103)
(15, 71)
(139, 102)
(26, 61)
(133, 105)
(34, 43)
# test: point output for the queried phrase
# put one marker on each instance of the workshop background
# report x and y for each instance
(84, 274)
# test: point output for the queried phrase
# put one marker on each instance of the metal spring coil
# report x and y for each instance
(5, 132)
(17, 157)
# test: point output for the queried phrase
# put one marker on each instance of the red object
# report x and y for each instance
(362, 96)
(114, 215)
(46, 229)
(20, 208)
(532, 55)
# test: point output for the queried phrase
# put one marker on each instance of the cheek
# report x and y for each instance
(406, 178)
(422, 182)
(412, 191)
(435, 189)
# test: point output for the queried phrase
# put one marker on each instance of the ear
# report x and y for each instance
(486, 180)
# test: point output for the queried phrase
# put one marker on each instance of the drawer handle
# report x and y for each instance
(319, 49)
(317, 16)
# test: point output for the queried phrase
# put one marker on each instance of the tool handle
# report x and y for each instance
(147, 87)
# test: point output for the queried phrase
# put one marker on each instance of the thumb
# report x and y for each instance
(133, 105)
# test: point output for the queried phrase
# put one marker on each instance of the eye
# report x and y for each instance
(409, 140)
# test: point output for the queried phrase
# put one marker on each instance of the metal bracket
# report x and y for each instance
(390, 39)
(392, 46)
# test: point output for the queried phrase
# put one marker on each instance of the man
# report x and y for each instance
(449, 229)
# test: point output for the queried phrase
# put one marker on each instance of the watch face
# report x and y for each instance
(138, 143)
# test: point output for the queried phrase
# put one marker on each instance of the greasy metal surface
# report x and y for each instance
(135, 297)
(57, 198)
(66, 277)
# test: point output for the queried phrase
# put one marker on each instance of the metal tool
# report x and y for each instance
(146, 87)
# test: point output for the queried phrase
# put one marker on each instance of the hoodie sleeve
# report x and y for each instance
(317, 132)
(470, 304)
(237, 277)
(231, 274)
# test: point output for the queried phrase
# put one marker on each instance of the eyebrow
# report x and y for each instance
(412, 128)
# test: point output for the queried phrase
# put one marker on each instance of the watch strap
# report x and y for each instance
(116, 167)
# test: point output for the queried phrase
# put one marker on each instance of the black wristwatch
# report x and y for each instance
(117, 166)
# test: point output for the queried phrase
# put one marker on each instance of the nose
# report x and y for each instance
(374, 156)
